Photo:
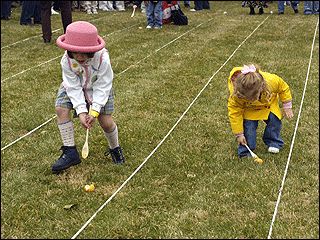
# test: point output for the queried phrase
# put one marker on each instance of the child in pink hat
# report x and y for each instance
(87, 88)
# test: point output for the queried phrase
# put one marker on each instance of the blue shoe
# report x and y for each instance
(117, 156)
(68, 158)
(244, 155)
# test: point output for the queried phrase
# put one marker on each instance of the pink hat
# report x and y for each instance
(82, 37)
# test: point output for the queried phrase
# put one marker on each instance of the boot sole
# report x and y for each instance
(60, 170)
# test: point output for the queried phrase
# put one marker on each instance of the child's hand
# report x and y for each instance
(83, 120)
(287, 112)
(242, 140)
(90, 120)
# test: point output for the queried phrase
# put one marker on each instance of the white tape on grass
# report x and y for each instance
(294, 136)
(165, 137)
(56, 30)
(155, 51)
(28, 133)
(52, 59)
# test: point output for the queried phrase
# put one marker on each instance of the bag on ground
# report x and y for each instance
(178, 16)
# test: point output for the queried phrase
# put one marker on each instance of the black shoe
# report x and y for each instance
(5, 18)
(46, 40)
(280, 13)
(244, 156)
(252, 11)
(296, 10)
(117, 156)
(68, 158)
(261, 11)
(25, 23)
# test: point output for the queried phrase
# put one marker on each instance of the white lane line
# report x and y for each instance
(26, 39)
(165, 137)
(50, 60)
(162, 47)
(293, 138)
(28, 133)
(115, 76)
(30, 68)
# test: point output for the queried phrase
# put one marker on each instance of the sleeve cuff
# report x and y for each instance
(96, 107)
(81, 109)
(287, 104)
(239, 135)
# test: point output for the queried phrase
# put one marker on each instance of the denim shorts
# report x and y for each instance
(64, 101)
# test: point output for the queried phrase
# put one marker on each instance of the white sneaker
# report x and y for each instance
(89, 11)
(94, 11)
(148, 27)
(192, 10)
(273, 150)
(158, 27)
(53, 11)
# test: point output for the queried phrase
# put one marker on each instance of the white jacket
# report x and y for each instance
(91, 81)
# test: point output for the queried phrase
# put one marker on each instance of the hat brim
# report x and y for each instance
(84, 49)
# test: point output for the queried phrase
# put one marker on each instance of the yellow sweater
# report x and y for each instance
(240, 109)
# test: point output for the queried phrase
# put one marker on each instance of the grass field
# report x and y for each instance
(193, 185)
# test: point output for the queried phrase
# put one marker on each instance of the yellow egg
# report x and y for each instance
(89, 188)
(258, 160)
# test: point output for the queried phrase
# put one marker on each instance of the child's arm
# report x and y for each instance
(284, 92)
(279, 86)
(287, 110)
(102, 86)
(286, 99)
(73, 87)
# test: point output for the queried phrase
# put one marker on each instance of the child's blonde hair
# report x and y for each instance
(249, 82)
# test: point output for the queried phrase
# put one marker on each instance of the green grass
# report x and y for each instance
(193, 186)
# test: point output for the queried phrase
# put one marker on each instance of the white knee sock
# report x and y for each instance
(67, 133)
(112, 138)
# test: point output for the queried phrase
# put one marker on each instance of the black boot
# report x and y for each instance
(116, 154)
(261, 11)
(68, 158)
(252, 11)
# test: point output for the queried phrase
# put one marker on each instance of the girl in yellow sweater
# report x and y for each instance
(254, 95)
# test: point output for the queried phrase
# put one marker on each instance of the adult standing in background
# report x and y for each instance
(106, 5)
(5, 10)
(30, 9)
(311, 7)
(120, 5)
(186, 4)
(91, 7)
(154, 14)
(200, 5)
(66, 17)
(294, 5)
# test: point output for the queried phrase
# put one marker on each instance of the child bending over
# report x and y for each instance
(254, 95)
(86, 81)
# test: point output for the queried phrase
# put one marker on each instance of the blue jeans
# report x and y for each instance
(154, 14)
(200, 5)
(311, 7)
(294, 5)
(30, 9)
(5, 9)
(271, 136)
